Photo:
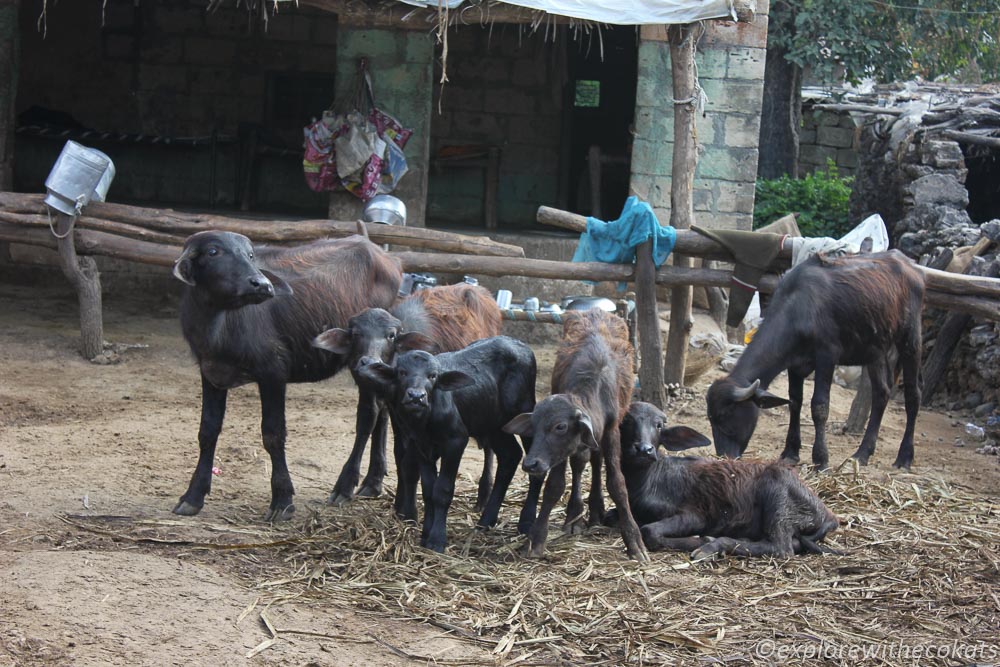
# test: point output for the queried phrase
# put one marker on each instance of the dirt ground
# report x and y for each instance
(80, 441)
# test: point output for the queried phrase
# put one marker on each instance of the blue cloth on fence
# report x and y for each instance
(615, 242)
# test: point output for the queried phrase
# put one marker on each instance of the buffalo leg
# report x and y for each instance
(272, 428)
(508, 455)
(407, 472)
(611, 445)
(793, 441)
(443, 494)
(821, 409)
(782, 547)
(575, 519)
(364, 423)
(213, 411)
(428, 480)
(909, 359)
(555, 484)
(527, 517)
(595, 502)
(371, 485)
(879, 374)
(486, 479)
(687, 544)
(656, 535)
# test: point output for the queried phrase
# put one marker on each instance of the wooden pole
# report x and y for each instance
(83, 274)
(685, 160)
(688, 242)
(262, 231)
(651, 379)
(947, 340)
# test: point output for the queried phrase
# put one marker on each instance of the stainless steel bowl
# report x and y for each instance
(588, 302)
(386, 210)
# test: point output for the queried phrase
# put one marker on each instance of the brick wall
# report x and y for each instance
(172, 69)
(730, 63)
(827, 135)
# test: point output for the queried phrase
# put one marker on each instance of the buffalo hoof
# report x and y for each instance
(524, 526)
(787, 457)
(368, 490)
(821, 466)
(184, 508)
(708, 551)
(275, 514)
(530, 550)
(639, 554)
(338, 499)
(861, 458)
(575, 527)
(437, 547)
(902, 465)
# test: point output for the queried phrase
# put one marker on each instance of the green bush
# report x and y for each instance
(820, 199)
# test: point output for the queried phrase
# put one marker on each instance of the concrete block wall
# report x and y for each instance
(400, 63)
(175, 70)
(504, 89)
(730, 62)
(828, 135)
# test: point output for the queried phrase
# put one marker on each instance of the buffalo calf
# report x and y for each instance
(850, 311)
(441, 319)
(251, 314)
(591, 390)
(440, 401)
(711, 506)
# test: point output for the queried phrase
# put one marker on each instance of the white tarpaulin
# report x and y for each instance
(622, 12)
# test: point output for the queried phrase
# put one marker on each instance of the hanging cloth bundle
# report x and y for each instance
(356, 146)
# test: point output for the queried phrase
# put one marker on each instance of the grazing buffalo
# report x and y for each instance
(827, 312)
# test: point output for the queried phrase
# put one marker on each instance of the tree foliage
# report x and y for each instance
(820, 199)
(888, 39)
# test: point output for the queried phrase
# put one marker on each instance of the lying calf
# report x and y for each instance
(710, 506)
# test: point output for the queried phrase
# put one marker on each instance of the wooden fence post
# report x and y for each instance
(83, 274)
(685, 159)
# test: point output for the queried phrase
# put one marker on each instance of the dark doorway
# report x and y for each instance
(599, 112)
(983, 183)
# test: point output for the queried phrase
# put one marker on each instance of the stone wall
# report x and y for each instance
(731, 70)
(827, 136)
(175, 70)
(916, 183)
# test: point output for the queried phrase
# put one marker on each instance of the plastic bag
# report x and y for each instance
(359, 149)
(356, 147)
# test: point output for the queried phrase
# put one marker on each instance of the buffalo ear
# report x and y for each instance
(679, 438)
(765, 399)
(183, 266)
(586, 430)
(452, 380)
(382, 375)
(415, 341)
(337, 341)
(520, 425)
(281, 288)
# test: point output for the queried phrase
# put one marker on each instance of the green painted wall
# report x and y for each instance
(730, 63)
(401, 65)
